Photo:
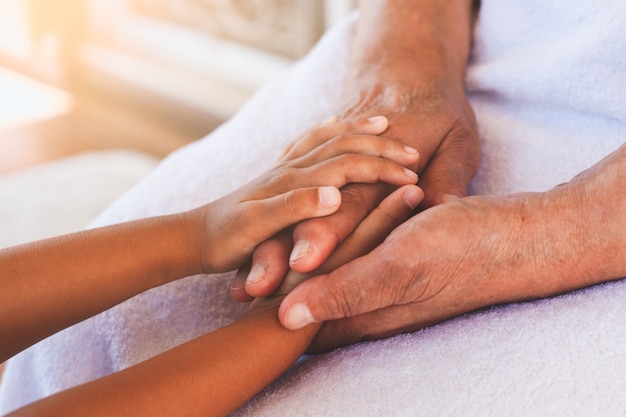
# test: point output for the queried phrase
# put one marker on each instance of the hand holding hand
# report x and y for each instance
(434, 118)
(471, 253)
(304, 184)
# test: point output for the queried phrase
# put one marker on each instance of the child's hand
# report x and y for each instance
(223, 234)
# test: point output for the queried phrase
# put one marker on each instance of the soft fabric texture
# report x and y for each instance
(547, 85)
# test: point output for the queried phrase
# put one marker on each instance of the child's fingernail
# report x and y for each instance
(410, 150)
(299, 251)
(376, 119)
(298, 317)
(255, 275)
(410, 173)
(328, 197)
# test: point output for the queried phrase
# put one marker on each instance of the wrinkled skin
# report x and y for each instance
(417, 83)
(475, 252)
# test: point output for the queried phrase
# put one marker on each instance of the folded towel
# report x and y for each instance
(560, 356)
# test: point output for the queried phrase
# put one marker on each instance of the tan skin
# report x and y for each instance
(422, 94)
(52, 284)
(459, 256)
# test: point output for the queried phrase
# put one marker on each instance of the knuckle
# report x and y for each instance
(393, 219)
(355, 195)
(336, 141)
(284, 180)
(349, 161)
(253, 210)
(291, 202)
(338, 302)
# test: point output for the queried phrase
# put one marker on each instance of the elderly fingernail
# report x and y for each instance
(376, 119)
(299, 251)
(298, 317)
(412, 197)
(255, 275)
(328, 197)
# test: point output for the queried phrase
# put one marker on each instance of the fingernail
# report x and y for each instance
(412, 197)
(408, 149)
(328, 197)
(256, 273)
(410, 173)
(376, 119)
(298, 317)
(299, 251)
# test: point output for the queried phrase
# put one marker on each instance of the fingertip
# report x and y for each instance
(240, 294)
(413, 196)
(376, 124)
(307, 256)
(329, 197)
(260, 283)
(376, 120)
(298, 316)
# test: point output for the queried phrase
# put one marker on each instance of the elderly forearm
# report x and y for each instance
(594, 201)
(427, 40)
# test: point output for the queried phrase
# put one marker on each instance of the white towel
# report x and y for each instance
(560, 356)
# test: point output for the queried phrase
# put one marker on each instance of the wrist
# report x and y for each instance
(577, 240)
(188, 228)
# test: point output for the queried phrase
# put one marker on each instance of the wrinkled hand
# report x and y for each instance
(304, 184)
(470, 253)
(438, 122)
(441, 263)
(389, 214)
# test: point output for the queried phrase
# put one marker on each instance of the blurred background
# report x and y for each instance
(93, 93)
(148, 75)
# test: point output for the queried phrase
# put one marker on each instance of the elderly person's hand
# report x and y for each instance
(471, 253)
(417, 82)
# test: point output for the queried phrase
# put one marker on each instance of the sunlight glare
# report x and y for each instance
(24, 100)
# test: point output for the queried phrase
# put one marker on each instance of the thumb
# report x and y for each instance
(283, 210)
(345, 292)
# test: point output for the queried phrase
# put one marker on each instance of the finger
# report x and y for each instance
(316, 239)
(269, 265)
(450, 169)
(339, 294)
(344, 292)
(238, 286)
(359, 144)
(320, 134)
(390, 213)
(355, 168)
(279, 212)
(335, 172)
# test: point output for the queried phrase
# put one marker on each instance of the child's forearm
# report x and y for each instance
(210, 376)
(54, 283)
